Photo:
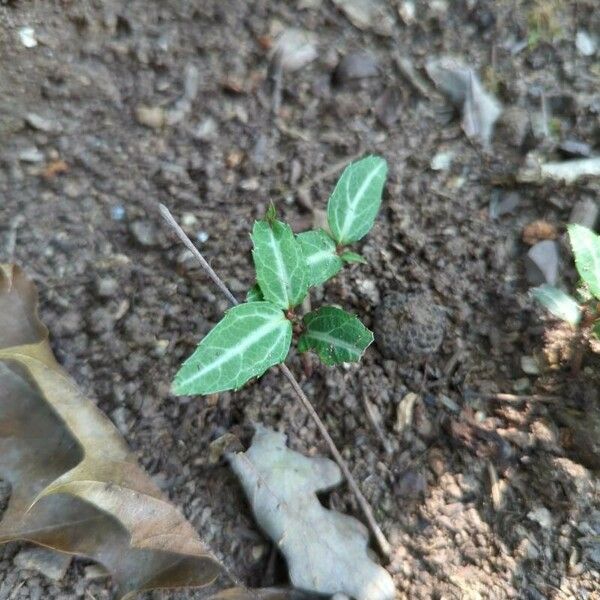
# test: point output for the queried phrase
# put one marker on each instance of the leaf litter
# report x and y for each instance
(460, 84)
(75, 485)
(326, 551)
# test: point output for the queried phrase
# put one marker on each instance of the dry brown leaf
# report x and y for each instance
(75, 485)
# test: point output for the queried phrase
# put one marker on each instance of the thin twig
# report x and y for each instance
(383, 544)
(522, 398)
(168, 217)
(365, 507)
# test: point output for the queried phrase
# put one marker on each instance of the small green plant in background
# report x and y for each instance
(257, 334)
(581, 311)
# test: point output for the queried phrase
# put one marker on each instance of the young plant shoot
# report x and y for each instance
(257, 334)
(583, 311)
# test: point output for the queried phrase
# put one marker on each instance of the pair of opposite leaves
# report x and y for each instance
(75, 486)
(256, 335)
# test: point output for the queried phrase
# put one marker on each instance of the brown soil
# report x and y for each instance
(480, 498)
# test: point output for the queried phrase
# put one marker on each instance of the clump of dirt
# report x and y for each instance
(409, 326)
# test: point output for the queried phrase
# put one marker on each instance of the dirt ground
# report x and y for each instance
(480, 498)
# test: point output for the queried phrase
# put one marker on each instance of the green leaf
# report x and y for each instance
(559, 303)
(596, 329)
(254, 294)
(271, 214)
(335, 335)
(320, 256)
(586, 248)
(280, 269)
(248, 340)
(355, 201)
(353, 257)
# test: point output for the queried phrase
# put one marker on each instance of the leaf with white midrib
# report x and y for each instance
(586, 248)
(281, 271)
(320, 256)
(249, 339)
(335, 335)
(355, 201)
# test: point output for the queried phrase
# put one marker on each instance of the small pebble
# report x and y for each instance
(586, 45)
(295, 48)
(189, 220)
(144, 233)
(40, 123)
(31, 155)
(504, 204)
(584, 212)
(107, 287)
(441, 161)
(575, 149)
(205, 130)
(542, 516)
(117, 213)
(357, 65)
(529, 365)
(150, 116)
(27, 37)
(541, 263)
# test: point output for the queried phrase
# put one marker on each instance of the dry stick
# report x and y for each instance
(367, 511)
(522, 398)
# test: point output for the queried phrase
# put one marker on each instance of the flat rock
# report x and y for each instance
(541, 263)
(49, 563)
(356, 65)
(584, 212)
(296, 49)
(47, 125)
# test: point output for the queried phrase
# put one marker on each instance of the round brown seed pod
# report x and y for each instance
(408, 326)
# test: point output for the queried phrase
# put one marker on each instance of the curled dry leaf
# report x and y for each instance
(326, 551)
(75, 485)
(459, 83)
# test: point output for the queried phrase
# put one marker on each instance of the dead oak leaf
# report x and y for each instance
(326, 551)
(75, 486)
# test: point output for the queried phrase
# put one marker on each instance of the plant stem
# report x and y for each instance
(364, 505)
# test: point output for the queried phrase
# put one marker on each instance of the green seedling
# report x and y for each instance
(258, 334)
(581, 310)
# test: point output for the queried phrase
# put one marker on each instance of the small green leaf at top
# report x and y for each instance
(586, 248)
(560, 304)
(353, 257)
(281, 271)
(320, 256)
(249, 339)
(254, 294)
(356, 199)
(271, 214)
(335, 335)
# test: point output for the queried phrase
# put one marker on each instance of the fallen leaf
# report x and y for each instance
(458, 82)
(326, 551)
(75, 485)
